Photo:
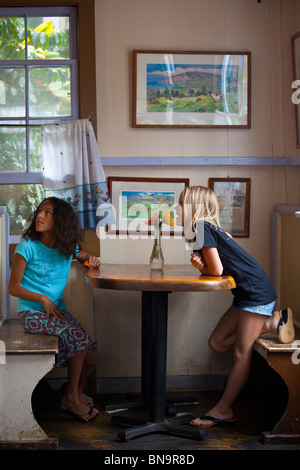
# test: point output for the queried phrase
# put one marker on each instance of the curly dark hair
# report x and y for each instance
(66, 226)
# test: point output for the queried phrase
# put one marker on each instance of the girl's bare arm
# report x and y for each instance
(92, 261)
(17, 290)
(209, 263)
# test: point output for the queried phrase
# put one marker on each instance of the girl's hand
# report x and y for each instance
(51, 308)
(93, 261)
(88, 260)
(198, 261)
(208, 261)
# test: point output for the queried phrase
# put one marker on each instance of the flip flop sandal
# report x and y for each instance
(215, 422)
(89, 400)
(285, 327)
(94, 417)
(79, 416)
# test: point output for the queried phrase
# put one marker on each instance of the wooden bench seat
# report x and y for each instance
(282, 359)
(27, 359)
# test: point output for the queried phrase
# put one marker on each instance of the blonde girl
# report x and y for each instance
(252, 311)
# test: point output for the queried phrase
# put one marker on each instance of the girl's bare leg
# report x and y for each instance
(271, 323)
(238, 329)
(72, 399)
(223, 337)
(90, 360)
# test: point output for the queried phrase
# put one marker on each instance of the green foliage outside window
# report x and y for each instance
(27, 70)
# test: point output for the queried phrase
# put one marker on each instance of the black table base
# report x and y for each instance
(176, 426)
(153, 395)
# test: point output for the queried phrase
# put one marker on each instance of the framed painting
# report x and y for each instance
(296, 82)
(234, 202)
(136, 199)
(191, 89)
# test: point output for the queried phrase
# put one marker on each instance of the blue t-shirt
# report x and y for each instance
(46, 272)
(253, 286)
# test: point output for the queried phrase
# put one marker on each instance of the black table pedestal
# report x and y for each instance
(154, 356)
(177, 426)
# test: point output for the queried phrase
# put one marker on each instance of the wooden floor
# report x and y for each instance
(256, 410)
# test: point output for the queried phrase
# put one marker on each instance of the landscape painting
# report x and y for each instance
(191, 89)
(137, 199)
(142, 204)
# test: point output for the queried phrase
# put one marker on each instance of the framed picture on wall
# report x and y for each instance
(296, 83)
(136, 199)
(191, 89)
(234, 201)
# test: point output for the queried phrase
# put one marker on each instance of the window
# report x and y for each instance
(40, 82)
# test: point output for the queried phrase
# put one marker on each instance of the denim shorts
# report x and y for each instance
(261, 309)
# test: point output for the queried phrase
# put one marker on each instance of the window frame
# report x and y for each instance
(86, 68)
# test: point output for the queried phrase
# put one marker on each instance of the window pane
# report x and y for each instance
(13, 149)
(12, 92)
(20, 201)
(48, 38)
(49, 91)
(35, 135)
(12, 38)
(38, 83)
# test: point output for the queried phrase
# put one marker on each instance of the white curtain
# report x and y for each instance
(73, 170)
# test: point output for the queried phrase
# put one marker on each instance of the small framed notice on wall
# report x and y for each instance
(234, 202)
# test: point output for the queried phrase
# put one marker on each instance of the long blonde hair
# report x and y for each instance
(199, 203)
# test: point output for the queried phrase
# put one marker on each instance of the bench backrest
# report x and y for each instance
(4, 266)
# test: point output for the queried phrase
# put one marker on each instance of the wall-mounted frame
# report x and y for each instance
(133, 200)
(191, 89)
(296, 73)
(234, 201)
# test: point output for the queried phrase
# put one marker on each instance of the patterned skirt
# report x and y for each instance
(72, 337)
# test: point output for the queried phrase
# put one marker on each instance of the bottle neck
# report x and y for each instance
(157, 235)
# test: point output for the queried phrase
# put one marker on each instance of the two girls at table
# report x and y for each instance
(40, 271)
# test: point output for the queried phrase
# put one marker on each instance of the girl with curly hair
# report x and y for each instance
(38, 277)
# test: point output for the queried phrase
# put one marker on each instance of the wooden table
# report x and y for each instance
(155, 287)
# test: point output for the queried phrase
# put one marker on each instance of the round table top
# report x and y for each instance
(139, 277)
